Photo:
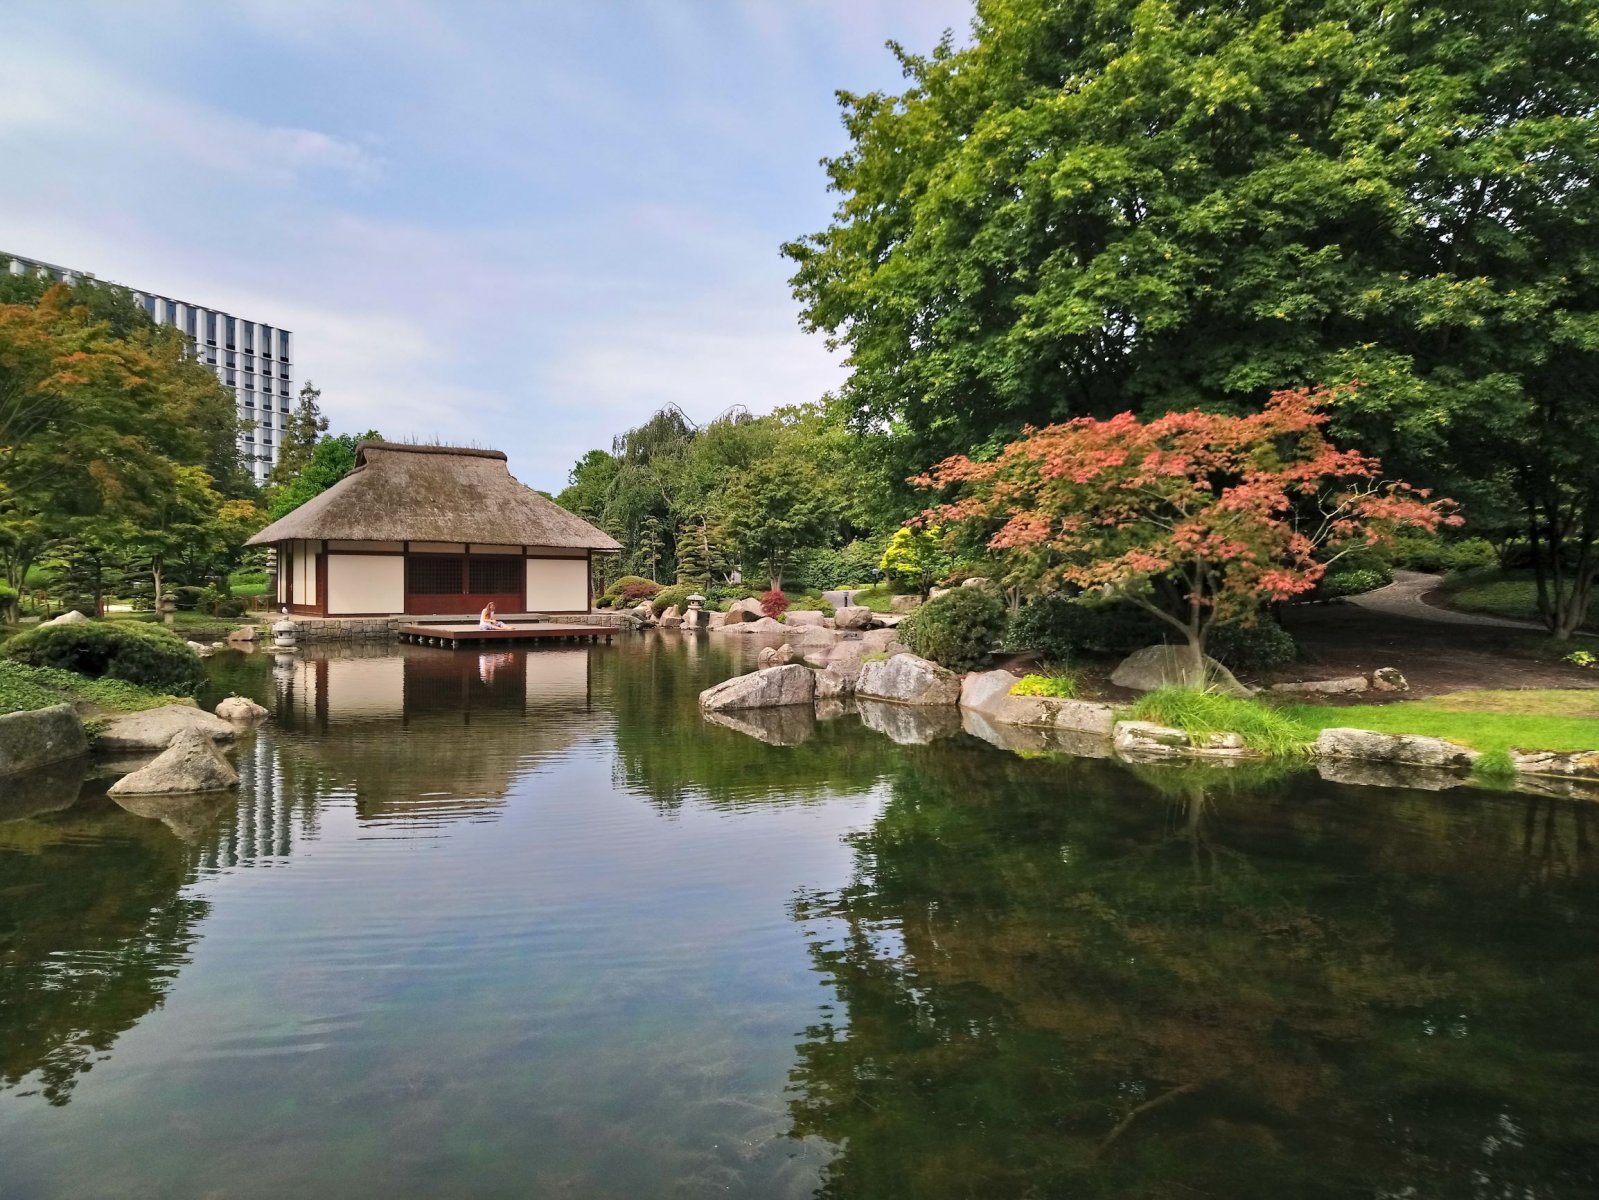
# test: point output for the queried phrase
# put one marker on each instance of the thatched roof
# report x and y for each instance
(403, 493)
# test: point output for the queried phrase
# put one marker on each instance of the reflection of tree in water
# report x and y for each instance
(1058, 980)
(93, 929)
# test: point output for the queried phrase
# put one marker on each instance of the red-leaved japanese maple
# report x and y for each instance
(1196, 517)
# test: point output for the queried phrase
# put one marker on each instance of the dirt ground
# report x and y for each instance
(1344, 639)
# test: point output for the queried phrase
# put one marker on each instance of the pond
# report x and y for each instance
(524, 924)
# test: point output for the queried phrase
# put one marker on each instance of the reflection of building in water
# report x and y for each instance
(413, 732)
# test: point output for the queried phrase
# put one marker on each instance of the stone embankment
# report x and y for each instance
(912, 700)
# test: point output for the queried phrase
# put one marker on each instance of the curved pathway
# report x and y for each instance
(1403, 598)
(842, 599)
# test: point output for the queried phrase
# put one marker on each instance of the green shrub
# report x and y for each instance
(957, 630)
(146, 655)
(614, 590)
(1255, 646)
(603, 602)
(1199, 713)
(677, 594)
(23, 688)
(1062, 687)
(1353, 581)
(1059, 629)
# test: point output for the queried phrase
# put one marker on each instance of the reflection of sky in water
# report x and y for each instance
(532, 927)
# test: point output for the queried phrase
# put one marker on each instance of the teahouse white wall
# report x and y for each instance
(365, 583)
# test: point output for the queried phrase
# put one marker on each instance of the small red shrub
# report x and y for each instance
(774, 603)
(634, 592)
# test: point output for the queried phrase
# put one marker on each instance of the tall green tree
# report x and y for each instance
(331, 460)
(306, 426)
(1096, 207)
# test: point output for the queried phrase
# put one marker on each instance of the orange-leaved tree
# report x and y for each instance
(1196, 517)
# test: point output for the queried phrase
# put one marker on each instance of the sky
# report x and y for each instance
(521, 225)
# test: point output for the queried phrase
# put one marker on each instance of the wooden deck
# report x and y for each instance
(468, 634)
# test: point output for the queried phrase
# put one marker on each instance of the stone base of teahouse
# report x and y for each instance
(378, 629)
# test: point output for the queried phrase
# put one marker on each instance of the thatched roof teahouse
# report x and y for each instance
(432, 530)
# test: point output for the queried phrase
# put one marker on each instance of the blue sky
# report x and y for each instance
(521, 225)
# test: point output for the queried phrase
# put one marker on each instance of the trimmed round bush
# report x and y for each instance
(1059, 629)
(1257, 645)
(677, 594)
(1353, 582)
(957, 630)
(147, 655)
(632, 593)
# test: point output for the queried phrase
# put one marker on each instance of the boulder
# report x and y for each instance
(976, 581)
(39, 738)
(853, 616)
(815, 635)
(715, 620)
(796, 617)
(878, 640)
(906, 679)
(1144, 740)
(776, 656)
(833, 683)
(244, 633)
(988, 694)
(71, 617)
(240, 710)
(1581, 764)
(672, 617)
(905, 604)
(846, 658)
(986, 691)
(1406, 749)
(1170, 666)
(909, 726)
(763, 625)
(741, 611)
(1346, 686)
(643, 613)
(935, 593)
(772, 687)
(191, 763)
(155, 728)
(788, 726)
(1389, 679)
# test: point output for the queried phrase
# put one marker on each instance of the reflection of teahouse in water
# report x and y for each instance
(466, 719)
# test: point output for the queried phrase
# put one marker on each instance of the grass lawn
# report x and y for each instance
(24, 688)
(1484, 720)
(248, 583)
(1500, 594)
(182, 621)
(880, 599)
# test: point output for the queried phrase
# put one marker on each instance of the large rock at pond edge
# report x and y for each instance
(1170, 666)
(741, 611)
(191, 763)
(155, 728)
(853, 616)
(1407, 749)
(1580, 764)
(772, 688)
(40, 737)
(672, 617)
(905, 604)
(70, 617)
(241, 710)
(906, 679)
(1142, 740)
(796, 617)
(988, 694)
(834, 683)
(643, 612)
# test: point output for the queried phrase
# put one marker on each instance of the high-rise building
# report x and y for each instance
(253, 360)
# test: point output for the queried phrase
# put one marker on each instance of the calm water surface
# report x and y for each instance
(525, 925)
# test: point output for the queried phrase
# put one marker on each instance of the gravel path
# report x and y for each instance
(841, 599)
(1403, 598)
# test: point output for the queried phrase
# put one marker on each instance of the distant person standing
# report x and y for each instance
(487, 620)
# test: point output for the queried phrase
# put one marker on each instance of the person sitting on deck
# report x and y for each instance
(487, 620)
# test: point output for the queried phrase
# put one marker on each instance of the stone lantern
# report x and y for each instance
(695, 616)
(167, 606)
(284, 634)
